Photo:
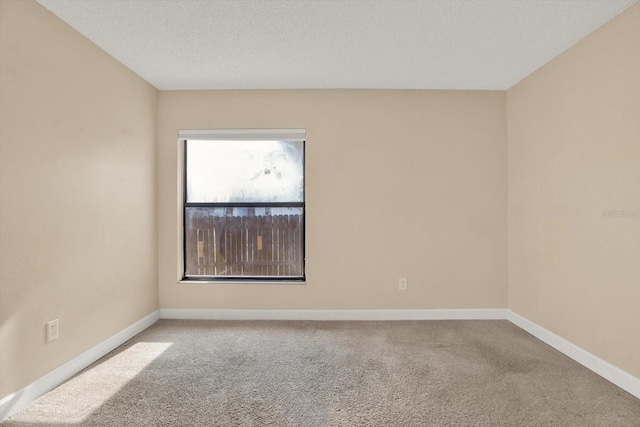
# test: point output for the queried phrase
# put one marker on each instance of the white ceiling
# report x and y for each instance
(430, 44)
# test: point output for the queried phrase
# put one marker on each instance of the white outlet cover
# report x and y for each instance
(53, 330)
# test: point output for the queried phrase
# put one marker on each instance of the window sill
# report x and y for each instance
(244, 282)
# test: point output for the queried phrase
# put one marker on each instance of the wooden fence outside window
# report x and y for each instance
(269, 245)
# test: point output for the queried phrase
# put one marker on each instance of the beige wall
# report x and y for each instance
(399, 183)
(574, 152)
(77, 188)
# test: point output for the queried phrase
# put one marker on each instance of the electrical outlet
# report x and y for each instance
(52, 330)
(402, 284)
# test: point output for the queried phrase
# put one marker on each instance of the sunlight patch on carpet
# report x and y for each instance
(89, 390)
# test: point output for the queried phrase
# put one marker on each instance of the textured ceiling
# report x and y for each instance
(431, 44)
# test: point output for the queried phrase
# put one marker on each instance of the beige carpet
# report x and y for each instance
(422, 373)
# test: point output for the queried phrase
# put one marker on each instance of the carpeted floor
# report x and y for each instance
(419, 373)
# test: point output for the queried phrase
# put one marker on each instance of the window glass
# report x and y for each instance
(241, 242)
(244, 210)
(245, 171)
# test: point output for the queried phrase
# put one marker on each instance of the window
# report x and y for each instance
(244, 205)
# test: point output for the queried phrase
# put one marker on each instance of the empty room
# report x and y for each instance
(320, 213)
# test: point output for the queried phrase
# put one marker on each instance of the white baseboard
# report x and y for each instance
(239, 314)
(21, 398)
(617, 376)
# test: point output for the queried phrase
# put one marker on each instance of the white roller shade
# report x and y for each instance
(243, 134)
